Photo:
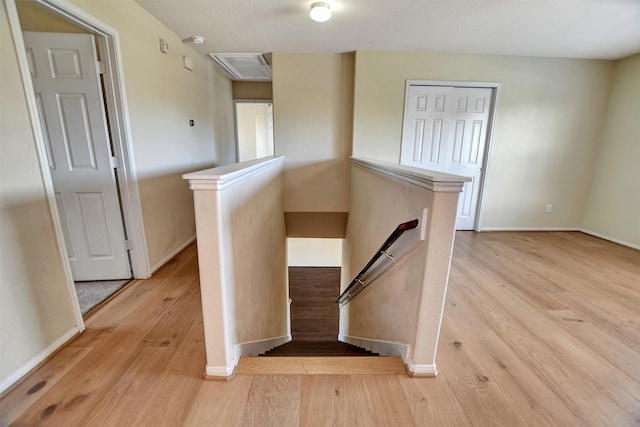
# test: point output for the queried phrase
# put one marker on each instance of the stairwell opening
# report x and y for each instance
(314, 266)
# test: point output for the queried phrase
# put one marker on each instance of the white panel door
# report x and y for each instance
(445, 129)
(425, 127)
(69, 97)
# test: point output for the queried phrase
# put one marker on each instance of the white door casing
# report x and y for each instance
(445, 129)
(70, 103)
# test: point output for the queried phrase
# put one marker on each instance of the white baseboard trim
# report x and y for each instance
(384, 348)
(37, 359)
(254, 348)
(530, 229)
(249, 348)
(582, 230)
(421, 370)
(611, 239)
(173, 253)
(219, 371)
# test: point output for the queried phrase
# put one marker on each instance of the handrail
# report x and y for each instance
(358, 283)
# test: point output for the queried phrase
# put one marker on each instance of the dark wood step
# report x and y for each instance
(299, 348)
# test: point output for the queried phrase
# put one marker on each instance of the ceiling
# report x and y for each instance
(604, 29)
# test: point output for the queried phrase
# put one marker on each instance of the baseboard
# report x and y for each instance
(383, 348)
(582, 230)
(255, 348)
(245, 349)
(37, 360)
(530, 229)
(173, 253)
(421, 371)
(611, 239)
(219, 373)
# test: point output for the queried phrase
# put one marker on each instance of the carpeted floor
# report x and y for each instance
(90, 294)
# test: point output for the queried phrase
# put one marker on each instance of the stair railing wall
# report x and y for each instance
(400, 315)
(242, 260)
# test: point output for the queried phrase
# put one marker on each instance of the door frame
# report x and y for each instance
(490, 129)
(119, 125)
(235, 120)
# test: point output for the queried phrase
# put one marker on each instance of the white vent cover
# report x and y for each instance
(243, 66)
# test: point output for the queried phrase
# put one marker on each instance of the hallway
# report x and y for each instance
(539, 329)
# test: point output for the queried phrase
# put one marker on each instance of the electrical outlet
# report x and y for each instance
(549, 208)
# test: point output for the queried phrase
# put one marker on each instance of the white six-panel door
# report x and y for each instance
(445, 129)
(69, 98)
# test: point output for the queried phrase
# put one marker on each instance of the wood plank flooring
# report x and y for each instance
(318, 365)
(540, 329)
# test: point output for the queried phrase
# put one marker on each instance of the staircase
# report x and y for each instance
(317, 349)
(314, 350)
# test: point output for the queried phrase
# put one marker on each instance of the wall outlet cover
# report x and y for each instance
(164, 46)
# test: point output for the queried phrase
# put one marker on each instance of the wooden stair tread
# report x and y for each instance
(301, 348)
(342, 365)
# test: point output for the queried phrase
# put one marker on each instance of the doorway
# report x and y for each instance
(447, 128)
(254, 129)
(129, 212)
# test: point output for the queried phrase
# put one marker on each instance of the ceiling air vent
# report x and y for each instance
(243, 66)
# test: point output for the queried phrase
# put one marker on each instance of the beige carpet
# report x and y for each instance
(90, 294)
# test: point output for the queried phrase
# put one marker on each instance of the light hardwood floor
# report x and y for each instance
(539, 329)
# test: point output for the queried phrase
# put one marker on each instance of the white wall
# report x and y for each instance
(312, 101)
(309, 252)
(253, 131)
(246, 127)
(613, 206)
(35, 304)
(547, 128)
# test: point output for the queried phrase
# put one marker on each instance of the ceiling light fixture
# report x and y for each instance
(320, 11)
(198, 39)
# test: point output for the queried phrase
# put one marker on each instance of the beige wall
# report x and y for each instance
(370, 315)
(404, 305)
(37, 18)
(312, 101)
(613, 207)
(242, 258)
(252, 90)
(35, 304)
(163, 96)
(224, 130)
(546, 130)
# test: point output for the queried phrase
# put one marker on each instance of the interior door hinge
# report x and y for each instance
(100, 67)
(115, 163)
(127, 245)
